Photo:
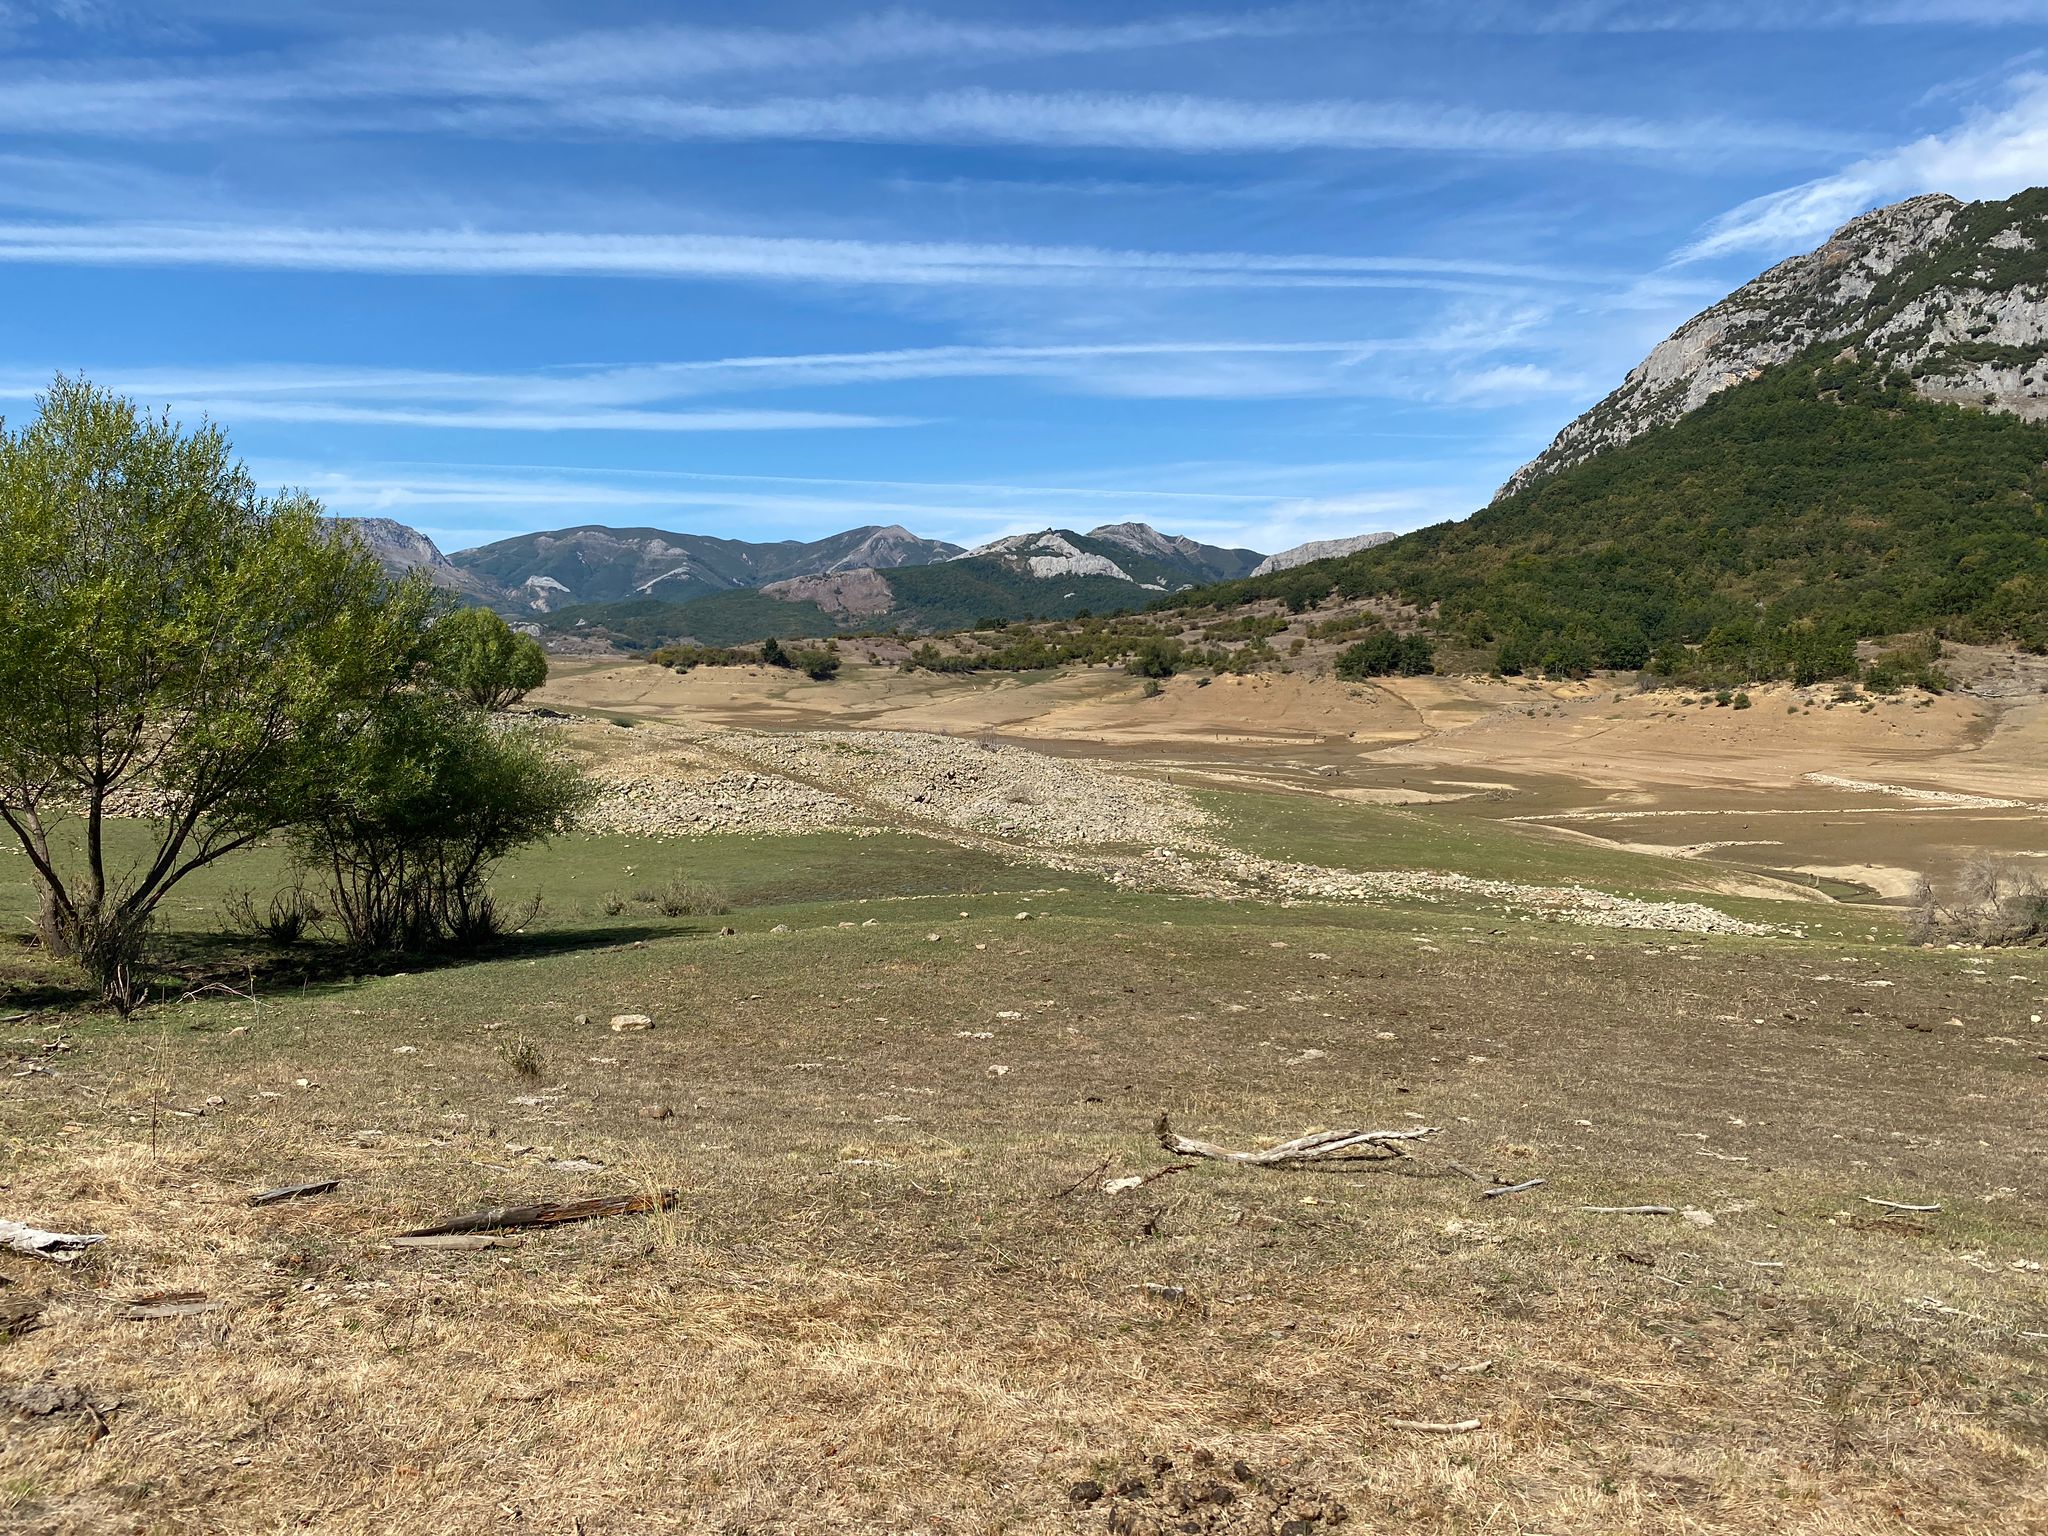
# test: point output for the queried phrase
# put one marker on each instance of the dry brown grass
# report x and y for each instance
(869, 1313)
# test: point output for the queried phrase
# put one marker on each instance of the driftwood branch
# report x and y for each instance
(1317, 1147)
(456, 1240)
(60, 1247)
(1631, 1210)
(169, 1304)
(1896, 1205)
(1511, 1189)
(550, 1213)
(293, 1192)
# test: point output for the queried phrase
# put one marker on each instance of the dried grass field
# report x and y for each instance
(893, 1293)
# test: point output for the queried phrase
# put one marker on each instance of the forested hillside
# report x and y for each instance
(1781, 520)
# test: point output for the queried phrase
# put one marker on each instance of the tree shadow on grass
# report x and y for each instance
(188, 965)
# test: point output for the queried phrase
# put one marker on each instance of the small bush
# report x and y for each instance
(1382, 653)
(611, 903)
(285, 922)
(1743, 701)
(523, 1057)
(684, 898)
(1995, 902)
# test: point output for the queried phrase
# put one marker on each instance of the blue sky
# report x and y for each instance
(1256, 274)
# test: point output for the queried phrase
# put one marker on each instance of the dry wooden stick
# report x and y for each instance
(550, 1213)
(1511, 1189)
(1087, 1178)
(169, 1304)
(1895, 1205)
(1631, 1210)
(1316, 1147)
(293, 1192)
(1471, 1173)
(59, 1247)
(456, 1240)
(1133, 1181)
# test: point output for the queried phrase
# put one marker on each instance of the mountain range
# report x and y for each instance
(648, 584)
(1855, 442)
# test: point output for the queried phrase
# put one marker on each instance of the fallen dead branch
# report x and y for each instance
(1316, 1147)
(1897, 1205)
(456, 1240)
(1086, 1179)
(552, 1213)
(1511, 1189)
(1428, 1427)
(169, 1304)
(1471, 1173)
(59, 1247)
(1631, 1210)
(293, 1192)
(1131, 1181)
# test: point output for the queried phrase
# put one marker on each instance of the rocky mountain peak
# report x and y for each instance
(1954, 293)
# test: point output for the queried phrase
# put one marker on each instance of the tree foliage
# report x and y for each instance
(172, 643)
(416, 810)
(478, 655)
(1382, 653)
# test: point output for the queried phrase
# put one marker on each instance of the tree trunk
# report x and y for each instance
(51, 929)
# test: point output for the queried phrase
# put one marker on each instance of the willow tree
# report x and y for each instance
(174, 647)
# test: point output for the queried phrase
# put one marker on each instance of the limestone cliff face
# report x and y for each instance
(1954, 293)
(1318, 549)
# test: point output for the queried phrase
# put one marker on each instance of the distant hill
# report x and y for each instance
(1953, 294)
(1318, 549)
(545, 572)
(1853, 445)
(400, 549)
(1819, 503)
(1055, 573)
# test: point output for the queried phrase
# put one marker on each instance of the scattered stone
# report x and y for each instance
(1023, 917)
(582, 1021)
(780, 928)
(727, 932)
(622, 1022)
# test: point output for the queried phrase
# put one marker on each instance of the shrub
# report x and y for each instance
(430, 798)
(475, 653)
(684, 898)
(523, 1057)
(1382, 653)
(1155, 657)
(818, 664)
(1994, 902)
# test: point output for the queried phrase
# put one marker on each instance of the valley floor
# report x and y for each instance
(907, 1285)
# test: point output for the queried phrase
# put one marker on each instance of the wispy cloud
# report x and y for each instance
(563, 253)
(125, 98)
(1176, 124)
(1681, 16)
(1993, 152)
(640, 397)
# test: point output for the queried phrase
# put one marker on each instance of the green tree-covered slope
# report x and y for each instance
(1819, 503)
